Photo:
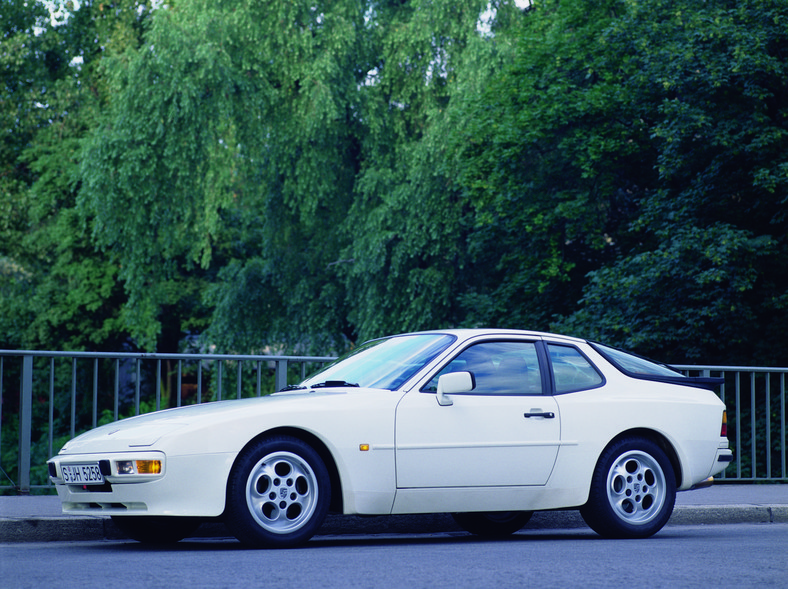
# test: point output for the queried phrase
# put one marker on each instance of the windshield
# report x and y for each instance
(383, 363)
(635, 365)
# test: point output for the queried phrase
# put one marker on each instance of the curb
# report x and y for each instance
(97, 528)
(729, 514)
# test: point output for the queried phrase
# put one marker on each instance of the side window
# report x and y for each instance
(498, 368)
(571, 370)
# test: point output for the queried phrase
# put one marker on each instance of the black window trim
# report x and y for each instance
(549, 362)
(703, 382)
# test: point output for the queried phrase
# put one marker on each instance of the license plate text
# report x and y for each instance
(82, 474)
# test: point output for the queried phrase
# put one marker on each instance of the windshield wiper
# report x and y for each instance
(333, 383)
(292, 387)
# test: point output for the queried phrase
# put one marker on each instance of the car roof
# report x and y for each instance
(468, 333)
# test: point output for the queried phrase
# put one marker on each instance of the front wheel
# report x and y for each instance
(492, 524)
(633, 490)
(278, 493)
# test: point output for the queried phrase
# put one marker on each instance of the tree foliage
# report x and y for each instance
(228, 147)
(54, 290)
(410, 219)
(642, 145)
(305, 174)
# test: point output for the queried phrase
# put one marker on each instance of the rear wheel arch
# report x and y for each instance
(318, 446)
(633, 488)
(658, 439)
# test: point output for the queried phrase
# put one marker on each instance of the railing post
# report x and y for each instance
(199, 381)
(25, 423)
(238, 380)
(2, 367)
(219, 365)
(94, 420)
(180, 378)
(73, 396)
(116, 391)
(280, 378)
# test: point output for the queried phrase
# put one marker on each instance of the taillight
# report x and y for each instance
(724, 429)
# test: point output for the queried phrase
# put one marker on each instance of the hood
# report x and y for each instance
(145, 430)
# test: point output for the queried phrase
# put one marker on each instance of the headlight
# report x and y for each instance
(138, 466)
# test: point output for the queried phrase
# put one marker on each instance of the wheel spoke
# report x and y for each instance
(281, 492)
(636, 487)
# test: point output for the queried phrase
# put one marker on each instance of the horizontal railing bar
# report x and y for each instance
(726, 368)
(158, 356)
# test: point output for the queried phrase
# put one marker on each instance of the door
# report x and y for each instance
(504, 432)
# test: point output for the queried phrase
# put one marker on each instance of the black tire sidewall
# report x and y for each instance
(600, 515)
(237, 517)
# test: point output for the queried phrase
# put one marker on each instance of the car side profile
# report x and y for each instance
(488, 425)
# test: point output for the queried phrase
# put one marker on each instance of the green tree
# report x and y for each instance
(716, 212)
(407, 262)
(633, 157)
(229, 143)
(56, 291)
(535, 156)
(26, 73)
(271, 150)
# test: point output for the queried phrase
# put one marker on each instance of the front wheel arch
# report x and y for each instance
(337, 502)
(278, 493)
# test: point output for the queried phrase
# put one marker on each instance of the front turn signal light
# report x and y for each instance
(724, 429)
(148, 466)
(138, 466)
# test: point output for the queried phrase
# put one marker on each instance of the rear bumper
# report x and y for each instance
(703, 484)
(721, 461)
(725, 456)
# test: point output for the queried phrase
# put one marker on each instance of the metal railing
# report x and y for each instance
(61, 394)
(755, 399)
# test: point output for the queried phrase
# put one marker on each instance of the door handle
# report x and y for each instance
(545, 414)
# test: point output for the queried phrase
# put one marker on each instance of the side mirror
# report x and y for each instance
(454, 382)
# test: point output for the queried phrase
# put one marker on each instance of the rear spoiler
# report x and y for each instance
(701, 382)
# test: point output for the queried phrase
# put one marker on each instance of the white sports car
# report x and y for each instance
(489, 425)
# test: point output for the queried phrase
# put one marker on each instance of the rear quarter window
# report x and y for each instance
(634, 365)
(571, 370)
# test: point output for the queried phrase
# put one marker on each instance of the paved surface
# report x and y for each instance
(39, 518)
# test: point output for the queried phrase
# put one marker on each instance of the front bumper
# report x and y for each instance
(192, 485)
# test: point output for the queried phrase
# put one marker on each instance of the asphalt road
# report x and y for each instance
(678, 556)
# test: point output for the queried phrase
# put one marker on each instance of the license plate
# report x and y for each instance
(82, 474)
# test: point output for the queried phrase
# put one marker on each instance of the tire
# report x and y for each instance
(633, 490)
(156, 530)
(278, 493)
(492, 524)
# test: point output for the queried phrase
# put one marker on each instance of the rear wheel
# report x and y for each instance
(492, 524)
(156, 530)
(278, 493)
(633, 490)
